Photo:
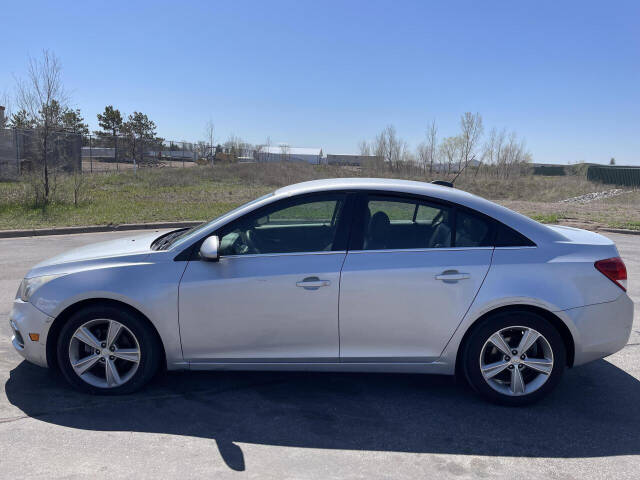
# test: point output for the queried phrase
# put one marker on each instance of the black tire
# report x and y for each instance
(494, 323)
(150, 353)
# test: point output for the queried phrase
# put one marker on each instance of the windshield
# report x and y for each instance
(183, 235)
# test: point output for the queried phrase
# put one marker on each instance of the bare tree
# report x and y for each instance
(285, 151)
(209, 135)
(364, 148)
(262, 153)
(389, 147)
(428, 150)
(507, 154)
(493, 152)
(259, 153)
(432, 145)
(41, 95)
(499, 157)
(450, 149)
(488, 151)
(267, 146)
(202, 151)
(471, 130)
(514, 155)
(236, 148)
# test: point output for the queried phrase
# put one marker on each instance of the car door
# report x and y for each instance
(414, 270)
(273, 294)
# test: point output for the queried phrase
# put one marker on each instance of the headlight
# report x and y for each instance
(30, 285)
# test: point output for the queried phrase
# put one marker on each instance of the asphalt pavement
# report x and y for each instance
(311, 425)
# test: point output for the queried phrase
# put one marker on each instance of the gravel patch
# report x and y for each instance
(590, 197)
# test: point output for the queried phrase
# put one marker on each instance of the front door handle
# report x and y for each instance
(451, 276)
(312, 283)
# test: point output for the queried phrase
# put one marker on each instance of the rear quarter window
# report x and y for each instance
(508, 237)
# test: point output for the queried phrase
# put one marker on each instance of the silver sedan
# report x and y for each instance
(334, 275)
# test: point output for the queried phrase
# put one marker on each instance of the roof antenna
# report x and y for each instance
(462, 169)
(443, 183)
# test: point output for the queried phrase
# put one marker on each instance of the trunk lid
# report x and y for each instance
(580, 236)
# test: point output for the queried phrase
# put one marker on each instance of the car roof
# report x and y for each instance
(525, 225)
(389, 184)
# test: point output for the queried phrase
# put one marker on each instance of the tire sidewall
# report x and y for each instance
(496, 322)
(149, 357)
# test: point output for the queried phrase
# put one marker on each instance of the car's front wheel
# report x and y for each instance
(107, 350)
(514, 357)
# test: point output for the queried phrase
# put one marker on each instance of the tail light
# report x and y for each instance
(614, 270)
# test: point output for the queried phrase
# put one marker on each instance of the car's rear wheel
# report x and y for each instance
(514, 357)
(107, 350)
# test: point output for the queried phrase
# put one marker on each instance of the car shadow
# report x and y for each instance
(593, 413)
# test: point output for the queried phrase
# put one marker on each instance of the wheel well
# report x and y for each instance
(559, 325)
(54, 331)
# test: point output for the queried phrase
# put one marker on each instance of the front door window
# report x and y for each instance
(307, 225)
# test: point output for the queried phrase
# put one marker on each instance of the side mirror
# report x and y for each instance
(209, 249)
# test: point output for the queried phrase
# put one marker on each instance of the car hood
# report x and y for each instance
(132, 245)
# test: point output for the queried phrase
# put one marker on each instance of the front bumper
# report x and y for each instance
(26, 319)
(601, 329)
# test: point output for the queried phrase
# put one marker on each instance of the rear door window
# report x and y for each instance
(472, 230)
(403, 223)
(393, 222)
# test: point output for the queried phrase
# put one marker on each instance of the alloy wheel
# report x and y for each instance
(516, 361)
(104, 353)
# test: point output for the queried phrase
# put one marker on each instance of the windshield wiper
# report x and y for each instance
(165, 240)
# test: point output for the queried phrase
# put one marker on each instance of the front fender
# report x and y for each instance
(150, 288)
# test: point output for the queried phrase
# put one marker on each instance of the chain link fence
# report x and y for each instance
(107, 152)
(9, 164)
(614, 175)
(23, 150)
(627, 176)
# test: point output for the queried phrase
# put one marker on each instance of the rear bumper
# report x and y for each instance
(26, 319)
(601, 329)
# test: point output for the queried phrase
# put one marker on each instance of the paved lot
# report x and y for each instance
(296, 425)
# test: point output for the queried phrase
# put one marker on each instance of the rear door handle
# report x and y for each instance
(452, 276)
(312, 283)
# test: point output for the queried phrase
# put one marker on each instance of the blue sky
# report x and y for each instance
(565, 75)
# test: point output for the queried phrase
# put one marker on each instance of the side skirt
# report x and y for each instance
(437, 367)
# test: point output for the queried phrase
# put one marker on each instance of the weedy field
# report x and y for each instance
(204, 192)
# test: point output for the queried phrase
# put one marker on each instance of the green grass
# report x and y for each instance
(627, 225)
(202, 192)
(547, 218)
(121, 198)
